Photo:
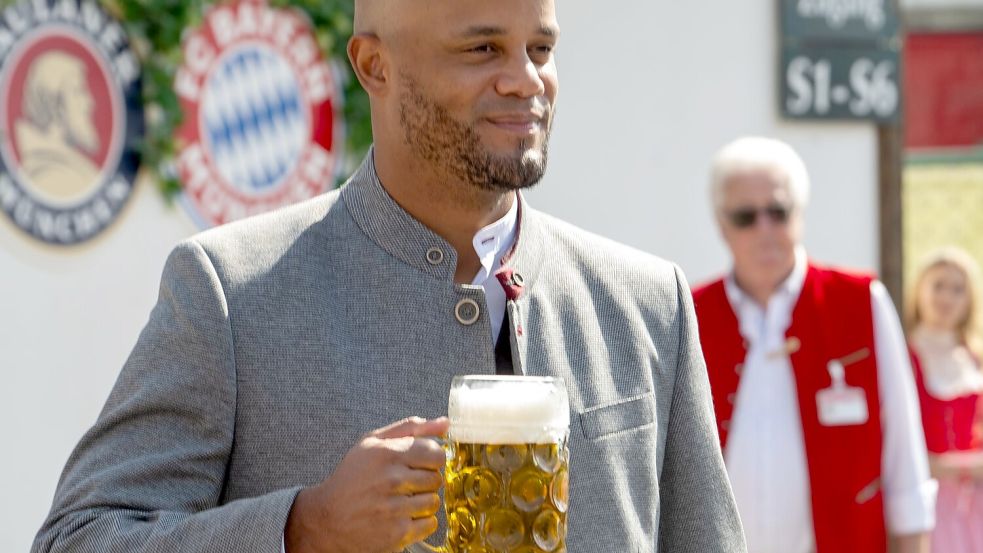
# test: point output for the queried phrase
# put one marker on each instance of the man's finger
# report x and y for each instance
(422, 505)
(413, 426)
(414, 481)
(425, 453)
(418, 530)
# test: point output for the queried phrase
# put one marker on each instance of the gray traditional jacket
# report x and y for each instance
(278, 341)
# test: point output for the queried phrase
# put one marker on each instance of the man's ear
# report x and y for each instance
(366, 55)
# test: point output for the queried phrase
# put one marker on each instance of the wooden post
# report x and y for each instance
(890, 146)
(890, 163)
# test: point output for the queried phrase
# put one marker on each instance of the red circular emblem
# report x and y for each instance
(71, 116)
(60, 163)
(259, 101)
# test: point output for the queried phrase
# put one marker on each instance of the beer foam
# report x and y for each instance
(509, 412)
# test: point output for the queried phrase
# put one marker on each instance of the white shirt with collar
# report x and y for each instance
(765, 453)
(491, 243)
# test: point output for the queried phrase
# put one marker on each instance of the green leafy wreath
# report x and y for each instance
(155, 28)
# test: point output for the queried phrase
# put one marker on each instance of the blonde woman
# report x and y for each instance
(943, 321)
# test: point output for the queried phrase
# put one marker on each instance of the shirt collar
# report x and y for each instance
(492, 242)
(790, 288)
(398, 233)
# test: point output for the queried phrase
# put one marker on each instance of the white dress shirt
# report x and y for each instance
(491, 243)
(765, 454)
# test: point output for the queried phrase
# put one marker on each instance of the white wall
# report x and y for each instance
(646, 99)
(68, 319)
(648, 93)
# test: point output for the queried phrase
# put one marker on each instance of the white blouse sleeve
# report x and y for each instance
(909, 491)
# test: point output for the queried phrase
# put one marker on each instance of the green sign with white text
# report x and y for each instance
(839, 20)
(841, 83)
(840, 59)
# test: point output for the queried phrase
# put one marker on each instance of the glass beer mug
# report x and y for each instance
(506, 482)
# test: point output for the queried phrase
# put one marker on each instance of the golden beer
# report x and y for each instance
(507, 474)
(507, 497)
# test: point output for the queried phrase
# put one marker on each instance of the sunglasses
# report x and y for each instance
(746, 217)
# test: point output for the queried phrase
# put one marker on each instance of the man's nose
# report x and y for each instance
(763, 221)
(521, 77)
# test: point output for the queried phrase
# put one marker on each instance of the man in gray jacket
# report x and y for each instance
(255, 412)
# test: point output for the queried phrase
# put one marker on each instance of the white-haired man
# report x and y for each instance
(811, 381)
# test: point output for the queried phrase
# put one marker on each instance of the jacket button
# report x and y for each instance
(435, 256)
(467, 311)
(517, 279)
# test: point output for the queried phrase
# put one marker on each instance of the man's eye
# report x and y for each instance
(483, 49)
(541, 54)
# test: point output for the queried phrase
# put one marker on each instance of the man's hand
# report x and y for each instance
(956, 465)
(381, 498)
(912, 543)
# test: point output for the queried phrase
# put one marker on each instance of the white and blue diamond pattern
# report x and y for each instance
(254, 120)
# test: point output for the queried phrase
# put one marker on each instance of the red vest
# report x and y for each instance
(831, 320)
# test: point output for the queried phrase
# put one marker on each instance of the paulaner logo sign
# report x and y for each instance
(71, 119)
(260, 127)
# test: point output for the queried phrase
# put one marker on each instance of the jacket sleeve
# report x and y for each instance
(149, 474)
(697, 509)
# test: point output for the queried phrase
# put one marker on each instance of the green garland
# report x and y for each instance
(155, 27)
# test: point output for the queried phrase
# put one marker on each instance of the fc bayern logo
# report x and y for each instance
(71, 118)
(260, 128)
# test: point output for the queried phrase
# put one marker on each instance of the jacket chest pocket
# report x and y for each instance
(621, 416)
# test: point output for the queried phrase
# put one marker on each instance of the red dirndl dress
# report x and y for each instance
(954, 426)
